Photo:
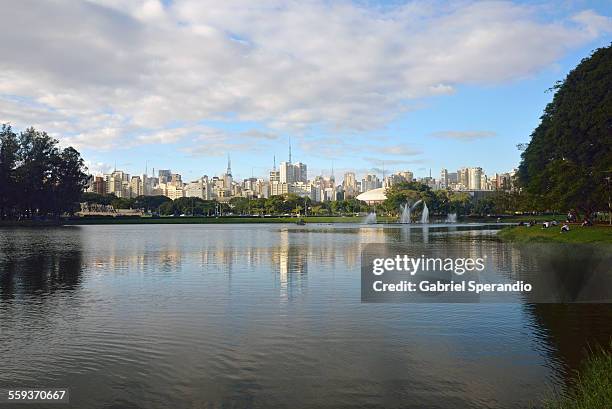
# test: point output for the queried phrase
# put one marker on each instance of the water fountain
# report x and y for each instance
(405, 216)
(406, 212)
(451, 218)
(425, 214)
(370, 218)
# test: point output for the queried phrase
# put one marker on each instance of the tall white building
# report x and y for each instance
(407, 175)
(444, 182)
(199, 188)
(475, 178)
(287, 174)
(136, 186)
(349, 185)
(370, 182)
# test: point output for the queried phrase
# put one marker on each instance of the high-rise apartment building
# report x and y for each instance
(287, 174)
(370, 182)
(444, 182)
(136, 186)
(349, 185)
(407, 175)
(199, 188)
(463, 178)
(300, 172)
(475, 179)
(164, 175)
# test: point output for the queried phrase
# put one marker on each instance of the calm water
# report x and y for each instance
(265, 316)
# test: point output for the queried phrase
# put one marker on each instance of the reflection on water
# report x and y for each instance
(268, 316)
(42, 261)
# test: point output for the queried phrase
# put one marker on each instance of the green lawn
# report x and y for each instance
(219, 220)
(577, 234)
(592, 388)
(518, 218)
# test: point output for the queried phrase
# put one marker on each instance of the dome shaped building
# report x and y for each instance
(374, 196)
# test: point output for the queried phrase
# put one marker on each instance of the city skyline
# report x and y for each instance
(181, 84)
(290, 178)
(338, 174)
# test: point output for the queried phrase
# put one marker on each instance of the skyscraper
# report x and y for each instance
(227, 177)
(300, 172)
(164, 175)
(349, 184)
(444, 182)
(287, 174)
(474, 182)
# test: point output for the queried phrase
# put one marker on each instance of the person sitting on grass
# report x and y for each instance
(587, 223)
(545, 225)
(564, 228)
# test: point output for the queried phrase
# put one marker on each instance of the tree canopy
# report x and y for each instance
(37, 177)
(566, 163)
(439, 202)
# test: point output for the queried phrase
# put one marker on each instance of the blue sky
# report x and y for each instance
(355, 85)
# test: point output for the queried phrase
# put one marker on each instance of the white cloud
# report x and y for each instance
(463, 135)
(400, 150)
(98, 168)
(208, 141)
(110, 73)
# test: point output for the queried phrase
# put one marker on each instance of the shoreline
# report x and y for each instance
(238, 220)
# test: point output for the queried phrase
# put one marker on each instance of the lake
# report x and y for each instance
(267, 316)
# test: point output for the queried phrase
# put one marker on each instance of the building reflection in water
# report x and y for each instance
(292, 262)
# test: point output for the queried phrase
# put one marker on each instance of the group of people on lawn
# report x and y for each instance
(571, 218)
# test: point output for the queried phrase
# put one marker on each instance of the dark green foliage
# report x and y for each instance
(192, 206)
(37, 178)
(294, 204)
(91, 197)
(441, 202)
(570, 152)
(147, 203)
(407, 192)
(9, 146)
(150, 203)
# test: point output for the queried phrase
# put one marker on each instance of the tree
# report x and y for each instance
(150, 203)
(240, 205)
(91, 197)
(69, 180)
(274, 204)
(570, 152)
(37, 178)
(123, 203)
(408, 192)
(37, 152)
(460, 203)
(485, 206)
(168, 209)
(9, 147)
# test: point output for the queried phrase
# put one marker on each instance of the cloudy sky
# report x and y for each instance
(360, 85)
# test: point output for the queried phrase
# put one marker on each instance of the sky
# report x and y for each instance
(355, 86)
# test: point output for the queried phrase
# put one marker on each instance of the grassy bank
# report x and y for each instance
(217, 220)
(593, 385)
(519, 218)
(577, 234)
